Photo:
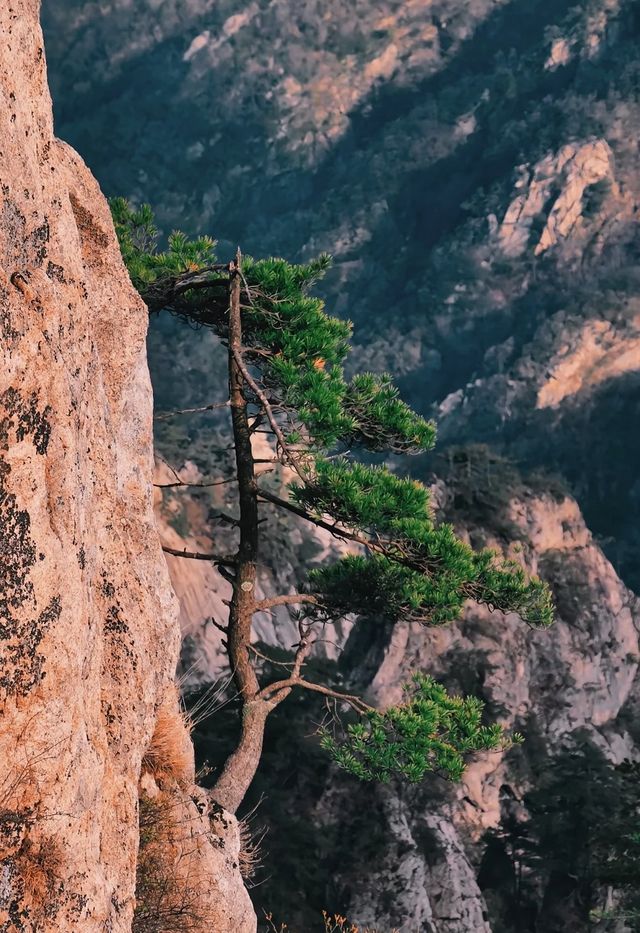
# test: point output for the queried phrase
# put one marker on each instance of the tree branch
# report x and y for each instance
(424, 566)
(198, 555)
(265, 657)
(304, 648)
(198, 279)
(289, 600)
(217, 482)
(224, 518)
(165, 415)
(335, 529)
(253, 385)
(284, 686)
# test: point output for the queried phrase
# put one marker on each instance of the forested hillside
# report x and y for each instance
(396, 136)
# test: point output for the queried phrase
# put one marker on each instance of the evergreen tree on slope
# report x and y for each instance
(285, 358)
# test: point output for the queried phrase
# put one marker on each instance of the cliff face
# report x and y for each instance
(88, 633)
(413, 857)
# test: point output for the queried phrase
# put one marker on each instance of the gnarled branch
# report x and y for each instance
(217, 482)
(284, 686)
(165, 415)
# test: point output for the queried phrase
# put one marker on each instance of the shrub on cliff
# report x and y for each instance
(285, 360)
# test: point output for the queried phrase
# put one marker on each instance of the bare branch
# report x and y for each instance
(181, 482)
(307, 637)
(224, 518)
(197, 555)
(268, 411)
(199, 279)
(217, 482)
(273, 661)
(392, 551)
(259, 419)
(165, 415)
(335, 529)
(285, 685)
(229, 577)
(167, 464)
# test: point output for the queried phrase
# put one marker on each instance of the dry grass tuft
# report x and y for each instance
(39, 867)
(336, 923)
(170, 753)
(31, 862)
(172, 888)
(250, 858)
(164, 901)
(333, 923)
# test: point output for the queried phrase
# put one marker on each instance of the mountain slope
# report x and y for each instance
(398, 137)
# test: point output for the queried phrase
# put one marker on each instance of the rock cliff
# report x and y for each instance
(577, 678)
(88, 633)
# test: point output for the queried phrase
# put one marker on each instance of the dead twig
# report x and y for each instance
(165, 415)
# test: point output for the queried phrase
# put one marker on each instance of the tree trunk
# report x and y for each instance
(241, 766)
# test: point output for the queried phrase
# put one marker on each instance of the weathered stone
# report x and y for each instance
(553, 191)
(88, 633)
(578, 675)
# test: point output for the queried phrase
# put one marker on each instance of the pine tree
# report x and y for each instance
(286, 378)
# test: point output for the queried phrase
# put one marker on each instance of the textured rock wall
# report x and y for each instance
(88, 633)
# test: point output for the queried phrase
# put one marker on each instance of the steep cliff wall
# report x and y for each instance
(88, 632)
(410, 857)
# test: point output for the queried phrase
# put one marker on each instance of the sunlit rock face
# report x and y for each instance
(555, 190)
(88, 630)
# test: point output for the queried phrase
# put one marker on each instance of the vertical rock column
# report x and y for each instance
(88, 630)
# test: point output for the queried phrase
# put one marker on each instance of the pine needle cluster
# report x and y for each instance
(431, 731)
